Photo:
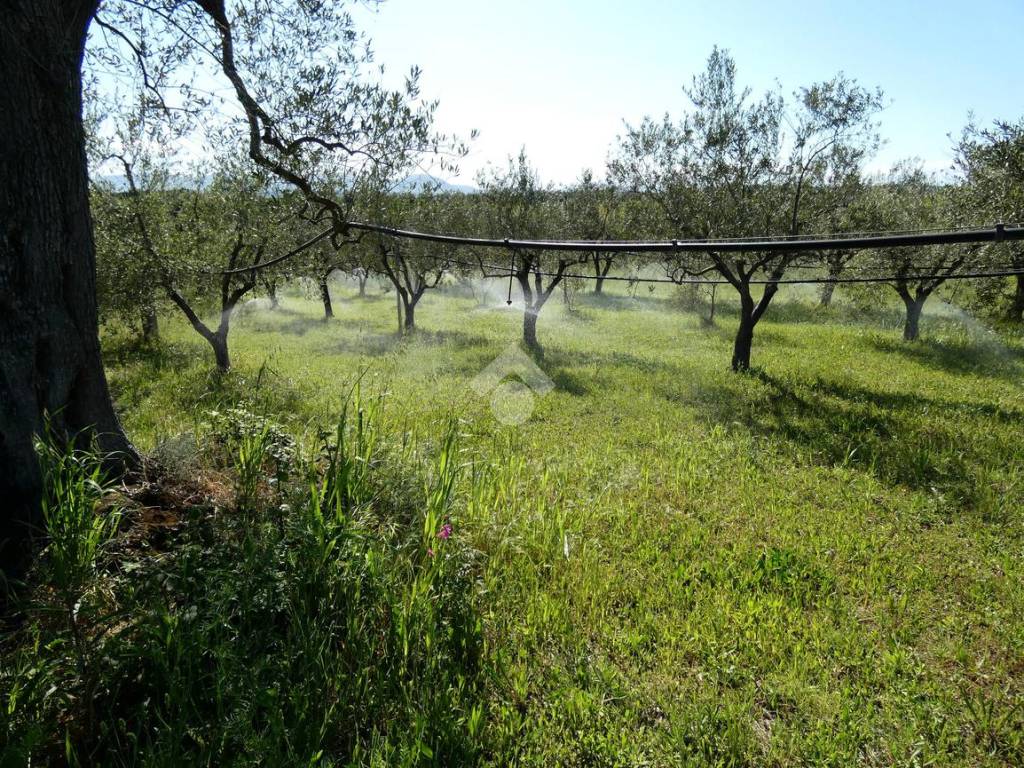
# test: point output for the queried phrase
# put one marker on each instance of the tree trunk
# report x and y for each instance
(49, 344)
(911, 329)
(275, 303)
(150, 324)
(530, 330)
(750, 314)
(828, 289)
(744, 335)
(219, 342)
(601, 269)
(218, 339)
(1016, 311)
(410, 316)
(325, 295)
(362, 285)
(531, 310)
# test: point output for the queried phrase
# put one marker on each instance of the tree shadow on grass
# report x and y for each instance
(969, 357)
(902, 439)
(378, 343)
(260, 310)
(458, 340)
(576, 372)
(774, 337)
(127, 350)
(365, 343)
(557, 357)
(909, 400)
(570, 383)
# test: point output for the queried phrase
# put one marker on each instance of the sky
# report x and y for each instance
(562, 78)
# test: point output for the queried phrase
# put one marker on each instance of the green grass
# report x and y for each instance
(817, 563)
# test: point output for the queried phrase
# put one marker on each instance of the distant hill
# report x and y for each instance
(421, 181)
(119, 183)
(415, 183)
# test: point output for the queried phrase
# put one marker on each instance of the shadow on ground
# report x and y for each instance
(968, 357)
(942, 446)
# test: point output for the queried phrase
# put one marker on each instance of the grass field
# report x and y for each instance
(817, 563)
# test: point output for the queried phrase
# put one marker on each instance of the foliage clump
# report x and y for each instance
(299, 627)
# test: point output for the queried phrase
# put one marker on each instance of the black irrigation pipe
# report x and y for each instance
(817, 280)
(278, 259)
(995, 234)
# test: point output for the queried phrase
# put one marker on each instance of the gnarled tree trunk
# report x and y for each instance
(709, 321)
(744, 334)
(410, 316)
(827, 291)
(217, 339)
(275, 302)
(835, 269)
(914, 302)
(534, 298)
(750, 314)
(229, 298)
(530, 330)
(602, 266)
(325, 296)
(219, 342)
(912, 327)
(49, 344)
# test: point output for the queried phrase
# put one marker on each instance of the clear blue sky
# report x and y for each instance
(561, 77)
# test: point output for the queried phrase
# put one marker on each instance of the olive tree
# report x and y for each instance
(295, 69)
(854, 214)
(991, 161)
(318, 263)
(908, 198)
(413, 267)
(735, 166)
(126, 291)
(197, 238)
(591, 212)
(515, 204)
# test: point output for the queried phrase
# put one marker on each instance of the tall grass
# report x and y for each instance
(73, 484)
(313, 631)
(54, 668)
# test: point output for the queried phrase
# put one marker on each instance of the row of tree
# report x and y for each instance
(731, 167)
(323, 140)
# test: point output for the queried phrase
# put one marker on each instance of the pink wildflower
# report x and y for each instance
(446, 532)
(430, 551)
